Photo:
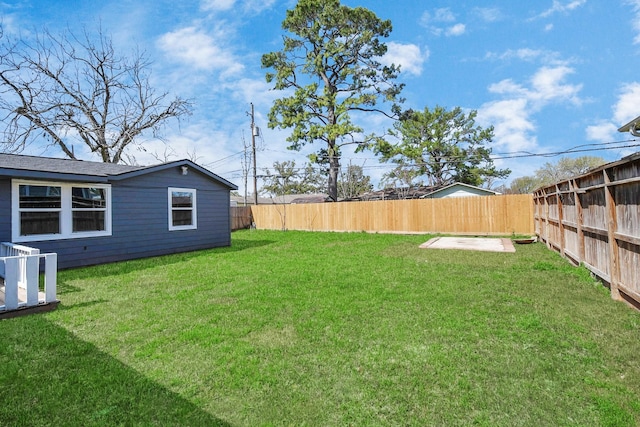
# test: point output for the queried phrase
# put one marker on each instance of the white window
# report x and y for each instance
(182, 209)
(51, 210)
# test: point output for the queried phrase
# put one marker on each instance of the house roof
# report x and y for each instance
(32, 167)
(461, 185)
(16, 162)
(412, 193)
(392, 194)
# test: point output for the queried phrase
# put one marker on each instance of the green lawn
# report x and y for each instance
(326, 329)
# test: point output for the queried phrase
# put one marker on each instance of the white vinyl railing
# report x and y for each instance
(20, 269)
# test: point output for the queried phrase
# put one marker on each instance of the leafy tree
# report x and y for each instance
(289, 179)
(443, 146)
(524, 185)
(551, 173)
(353, 182)
(78, 89)
(566, 168)
(329, 66)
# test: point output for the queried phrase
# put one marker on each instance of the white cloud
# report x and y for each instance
(559, 7)
(635, 5)
(257, 6)
(196, 48)
(601, 131)
(509, 87)
(487, 14)
(628, 106)
(512, 116)
(512, 123)
(217, 4)
(249, 90)
(409, 56)
(529, 55)
(456, 30)
(9, 24)
(438, 15)
(436, 21)
(548, 85)
(250, 7)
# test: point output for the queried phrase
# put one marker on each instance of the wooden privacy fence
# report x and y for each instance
(491, 215)
(241, 217)
(594, 220)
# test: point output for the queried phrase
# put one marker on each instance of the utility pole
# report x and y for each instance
(253, 147)
(246, 167)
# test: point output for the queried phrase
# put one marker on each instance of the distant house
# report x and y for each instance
(391, 193)
(92, 213)
(454, 190)
(458, 190)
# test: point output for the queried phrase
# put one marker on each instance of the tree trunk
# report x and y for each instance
(334, 168)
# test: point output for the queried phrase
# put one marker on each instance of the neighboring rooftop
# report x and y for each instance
(393, 194)
(286, 199)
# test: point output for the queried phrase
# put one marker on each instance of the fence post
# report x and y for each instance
(31, 273)
(579, 220)
(612, 227)
(11, 272)
(50, 272)
(559, 196)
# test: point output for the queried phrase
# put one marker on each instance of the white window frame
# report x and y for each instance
(66, 212)
(193, 209)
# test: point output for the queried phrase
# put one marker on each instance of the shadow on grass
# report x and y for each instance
(124, 267)
(50, 377)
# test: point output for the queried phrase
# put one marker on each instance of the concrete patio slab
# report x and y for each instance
(470, 243)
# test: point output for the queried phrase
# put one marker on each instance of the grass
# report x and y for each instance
(294, 328)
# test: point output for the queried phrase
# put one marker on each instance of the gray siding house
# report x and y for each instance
(93, 213)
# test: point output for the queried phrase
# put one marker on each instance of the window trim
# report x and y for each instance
(193, 209)
(66, 211)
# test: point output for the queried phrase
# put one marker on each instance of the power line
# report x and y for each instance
(225, 158)
(568, 151)
(611, 145)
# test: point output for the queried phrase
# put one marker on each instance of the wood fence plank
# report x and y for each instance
(491, 215)
(614, 255)
(607, 224)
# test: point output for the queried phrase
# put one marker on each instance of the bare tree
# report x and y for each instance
(352, 182)
(168, 153)
(403, 178)
(66, 89)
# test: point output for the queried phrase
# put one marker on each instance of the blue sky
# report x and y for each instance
(549, 75)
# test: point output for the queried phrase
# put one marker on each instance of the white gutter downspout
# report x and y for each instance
(633, 127)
